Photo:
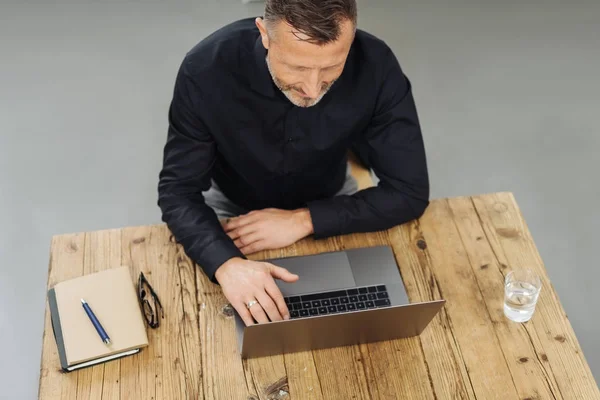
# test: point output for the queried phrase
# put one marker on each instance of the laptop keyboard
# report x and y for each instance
(337, 301)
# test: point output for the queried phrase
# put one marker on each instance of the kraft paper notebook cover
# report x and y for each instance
(113, 299)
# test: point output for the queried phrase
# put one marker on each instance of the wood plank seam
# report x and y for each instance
(527, 331)
(102, 385)
(182, 333)
(362, 367)
(445, 315)
(370, 361)
(430, 289)
(427, 368)
(312, 353)
(542, 365)
(481, 292)
(248, 378)
(286, 376)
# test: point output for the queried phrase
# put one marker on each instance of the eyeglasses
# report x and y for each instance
(151, 311)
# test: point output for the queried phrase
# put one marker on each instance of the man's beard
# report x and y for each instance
(288, 91)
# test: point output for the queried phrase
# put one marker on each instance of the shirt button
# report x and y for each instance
(290, 140)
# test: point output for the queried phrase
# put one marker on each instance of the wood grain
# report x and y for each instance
(471, 326)
(139, 373)
(528, 371)
(549, 331)
(447, 371)
(102, 251)
(460, 250)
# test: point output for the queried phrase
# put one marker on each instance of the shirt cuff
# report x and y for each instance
(215, 254)
(324, 216)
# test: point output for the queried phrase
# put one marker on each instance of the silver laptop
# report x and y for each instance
(342, 298)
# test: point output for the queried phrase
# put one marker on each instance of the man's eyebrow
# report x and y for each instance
(304, 67)
(334, 65)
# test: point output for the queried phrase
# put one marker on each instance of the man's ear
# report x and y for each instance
(262, 27)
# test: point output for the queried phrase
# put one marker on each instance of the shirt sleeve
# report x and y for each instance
(189, 156)
(393, 146)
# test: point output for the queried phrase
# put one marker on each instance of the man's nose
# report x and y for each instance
(312, 88)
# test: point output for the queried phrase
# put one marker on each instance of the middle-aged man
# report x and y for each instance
(263, 114)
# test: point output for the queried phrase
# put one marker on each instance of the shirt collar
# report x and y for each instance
(262, 80)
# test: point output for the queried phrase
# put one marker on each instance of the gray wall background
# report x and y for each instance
(507, 92)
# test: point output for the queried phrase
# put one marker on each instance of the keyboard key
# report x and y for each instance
(362, 290)
(362, 297)
(332, 309)
(382, 302)
(382, 295)
(352, 291)
(322, 310)
(381, 288)
(359, 306)
(287, 300)
(297, 306)
(325, 303)
(373, 289)
(304, 313)
(316, 303)
(306, 304)
(313, 311)
(325, 295)
(369, 304)
(351, 307)
(353, 299)
(294, 299)
(295, 314)
(344, 300)
(341, 307)
(372, 296)
(335, 302)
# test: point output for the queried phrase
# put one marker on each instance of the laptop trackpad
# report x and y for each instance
(320, 272)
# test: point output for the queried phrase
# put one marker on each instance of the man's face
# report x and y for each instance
(304, 71)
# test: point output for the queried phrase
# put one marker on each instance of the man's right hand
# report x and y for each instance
(243, 281)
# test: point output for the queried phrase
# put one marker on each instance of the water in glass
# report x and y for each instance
(521, 293)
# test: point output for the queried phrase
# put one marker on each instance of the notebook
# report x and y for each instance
(113, 299)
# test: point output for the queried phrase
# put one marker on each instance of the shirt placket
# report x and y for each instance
(290, 139)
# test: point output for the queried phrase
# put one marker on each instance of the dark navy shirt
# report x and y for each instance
(229, 122)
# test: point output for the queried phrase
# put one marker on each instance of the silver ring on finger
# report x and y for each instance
(251, 303)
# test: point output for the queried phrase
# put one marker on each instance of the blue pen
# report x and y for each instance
(96, 323)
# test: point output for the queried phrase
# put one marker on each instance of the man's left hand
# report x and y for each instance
(268, 229)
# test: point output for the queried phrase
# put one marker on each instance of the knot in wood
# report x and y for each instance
(227, 310)
(421, 244)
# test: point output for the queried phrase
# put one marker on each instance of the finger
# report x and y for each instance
(273, 291)
(254, 247)
(269, 306)
(282, 273)
(244, 230)
(244, 313)
(258, 313)
(238, 222)
(247, 240)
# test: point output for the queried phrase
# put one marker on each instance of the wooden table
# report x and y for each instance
(460, 250)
